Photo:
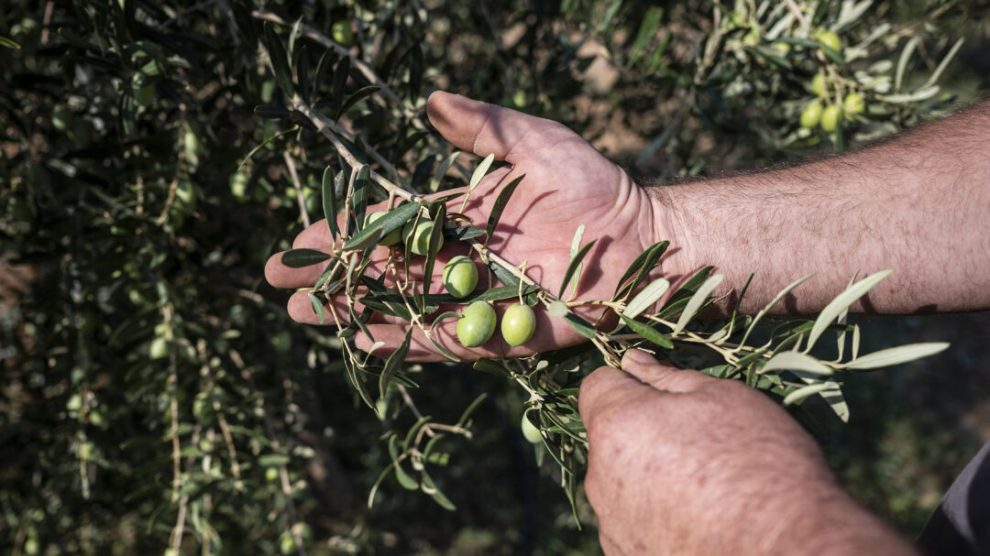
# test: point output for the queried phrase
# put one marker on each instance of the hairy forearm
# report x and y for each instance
(918, 204)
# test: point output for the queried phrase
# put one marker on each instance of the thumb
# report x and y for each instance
(483, 128)
(661, 376)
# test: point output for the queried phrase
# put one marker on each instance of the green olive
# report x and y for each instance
(342, 32)
(831, 118)
(460, 276)
(476, 325)
(271, 474)
(420, 236)
(530, 432)
(61, 117)
(158, 348)
(829, 39)
(811, 115)
(782, 47)
(819, 86)
(854, 104)
(391, 238)
(518, 324)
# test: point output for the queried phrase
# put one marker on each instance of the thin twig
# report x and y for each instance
(300, 198)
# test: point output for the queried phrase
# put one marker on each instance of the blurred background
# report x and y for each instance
(154, 397)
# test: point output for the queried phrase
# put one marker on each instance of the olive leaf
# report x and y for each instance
(298, 258)
(796, 361)
(436, 236)
(647, 297)
(392, 364)
(841, 302)
(317, 306)
(358, 96)
(340, 74)
(697, 300)
(499, 206)
(896, 355)
(640, 268)
(573, 266)
(648, 332)
(280, 64)
(329, 202)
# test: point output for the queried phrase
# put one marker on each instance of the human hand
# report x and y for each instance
(567, 183)
(683, 463)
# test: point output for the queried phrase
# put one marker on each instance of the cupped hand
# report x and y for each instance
(567, 183)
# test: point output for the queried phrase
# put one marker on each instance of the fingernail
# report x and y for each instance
(637, 357)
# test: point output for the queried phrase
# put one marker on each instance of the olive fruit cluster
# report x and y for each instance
(828, 115)
(478, 320)
(476, 324)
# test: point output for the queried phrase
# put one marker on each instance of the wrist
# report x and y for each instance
(673, 221)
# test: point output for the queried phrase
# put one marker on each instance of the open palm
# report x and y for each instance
(567, 183)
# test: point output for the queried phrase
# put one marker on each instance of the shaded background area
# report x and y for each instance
(136, 331)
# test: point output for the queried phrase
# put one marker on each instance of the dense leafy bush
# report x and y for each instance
(154, 394)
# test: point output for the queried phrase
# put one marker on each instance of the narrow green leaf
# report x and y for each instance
(841, 302)
(403, 478)
(500, 202)
(298, 258)
(463, 421)
(640, 267)
(442, 170)
(806, 391)
(321, 71)
(317, 306)
(280, 64)
(461, 233)
(575, 247)
(896, 355)
(480, 171)
(392, 364)
(9, 43)
(430, 488)
(647, 30)
(648, 332)
(273, 460)
(329, 202)
(358, 96)
(646, 298)
(573, 266)
(945, 62)
(431, 252)
(340, 75)
(795, 361)
(360, 196)
(697, 300)
(581, 326)
(391, 221)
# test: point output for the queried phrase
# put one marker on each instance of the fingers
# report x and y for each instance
(603, 388)
(484, 128)
(607, 386)
(661, 376)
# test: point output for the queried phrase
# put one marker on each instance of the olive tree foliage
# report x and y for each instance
(155, 397)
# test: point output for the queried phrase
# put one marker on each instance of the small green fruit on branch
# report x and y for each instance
(476, 325)
(460, 276)
(518, 324)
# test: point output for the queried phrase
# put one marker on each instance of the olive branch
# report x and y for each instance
(653, 314)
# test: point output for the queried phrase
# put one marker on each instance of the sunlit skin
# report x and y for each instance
(567, 183)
